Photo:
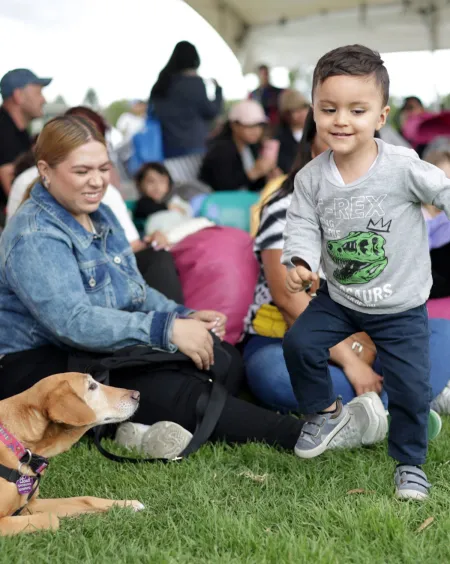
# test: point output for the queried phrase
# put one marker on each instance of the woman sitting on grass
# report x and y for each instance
(275, 309)
(69, 283)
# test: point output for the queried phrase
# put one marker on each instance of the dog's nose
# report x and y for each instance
(135, 395)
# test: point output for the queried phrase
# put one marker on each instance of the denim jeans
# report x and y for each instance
(269, 380)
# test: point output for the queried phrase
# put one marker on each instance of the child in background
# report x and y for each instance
(357, 207)
(166, 214)
(156, 186)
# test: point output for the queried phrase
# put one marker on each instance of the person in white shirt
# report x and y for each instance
(133, 121)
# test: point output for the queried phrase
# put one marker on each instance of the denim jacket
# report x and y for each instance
(62, 285)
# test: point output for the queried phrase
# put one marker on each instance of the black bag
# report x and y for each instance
(209, 406)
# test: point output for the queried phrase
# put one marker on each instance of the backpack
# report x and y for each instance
(99, 367)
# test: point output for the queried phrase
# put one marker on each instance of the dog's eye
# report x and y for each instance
(93, 386)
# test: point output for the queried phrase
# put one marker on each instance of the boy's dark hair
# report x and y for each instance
(352, 60)
(158, 167)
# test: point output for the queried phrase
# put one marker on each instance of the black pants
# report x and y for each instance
(440, 269)
(402, 342)
(158, 270)
(168, 396)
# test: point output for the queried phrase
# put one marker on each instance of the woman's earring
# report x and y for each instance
(45, 183)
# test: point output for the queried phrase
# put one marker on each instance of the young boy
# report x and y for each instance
(357, 209)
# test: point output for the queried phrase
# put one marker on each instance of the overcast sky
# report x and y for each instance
(119, 46)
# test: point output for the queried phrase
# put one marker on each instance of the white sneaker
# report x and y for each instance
(165, 439)
(129, 435)
(441, 403)
(368, 423)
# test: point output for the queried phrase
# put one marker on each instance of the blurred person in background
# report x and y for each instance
(267, 95)
(236, 159)
(180, 102)
(23, 101)
(293, 111)
(132, 121)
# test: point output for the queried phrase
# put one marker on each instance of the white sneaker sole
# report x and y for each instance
(411, 494)
(129, 435)
(319, 449)
(378, 422)
(165, 439)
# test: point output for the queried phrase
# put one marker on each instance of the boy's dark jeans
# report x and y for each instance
(402, 342)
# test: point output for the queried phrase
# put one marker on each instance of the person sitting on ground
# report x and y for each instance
(69, 283)
(156, 265)
(438, 226)
(155, 186)
(23, 101)
(236, 159)
(274, 310)
(293, 111)
(267, 95)
(180, 102)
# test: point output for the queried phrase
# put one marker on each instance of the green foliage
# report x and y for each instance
(113, 112)
(91, 99)
(60, 100)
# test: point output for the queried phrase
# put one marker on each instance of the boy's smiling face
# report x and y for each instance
(347, 111)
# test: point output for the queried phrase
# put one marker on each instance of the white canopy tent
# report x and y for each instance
(293, 32)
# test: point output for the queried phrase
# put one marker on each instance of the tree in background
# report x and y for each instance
(91, 99)
(60, 100)
(115, 110)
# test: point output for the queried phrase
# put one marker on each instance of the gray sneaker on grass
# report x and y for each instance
(319, 429)
(411, 483)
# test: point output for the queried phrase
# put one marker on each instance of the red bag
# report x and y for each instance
(218, 271)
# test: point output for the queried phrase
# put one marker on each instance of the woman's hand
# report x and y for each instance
(158, 241)
(362, 377)
(213, 321)
(193, 339)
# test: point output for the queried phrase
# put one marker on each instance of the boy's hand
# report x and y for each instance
(299, 279)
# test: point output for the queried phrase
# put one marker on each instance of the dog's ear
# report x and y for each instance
(63, 405)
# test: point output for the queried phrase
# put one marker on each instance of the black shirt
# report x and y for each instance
(288, 148)
(13, 142)
(222, 168)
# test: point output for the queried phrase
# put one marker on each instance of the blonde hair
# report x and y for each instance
(58, 138)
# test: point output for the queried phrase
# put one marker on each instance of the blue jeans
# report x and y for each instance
(269, 379)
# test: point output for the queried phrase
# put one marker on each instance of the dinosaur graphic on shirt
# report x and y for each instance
(360, 257)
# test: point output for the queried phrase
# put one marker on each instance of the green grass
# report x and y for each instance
(244, 504)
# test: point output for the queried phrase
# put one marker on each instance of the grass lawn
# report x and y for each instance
(244, 504)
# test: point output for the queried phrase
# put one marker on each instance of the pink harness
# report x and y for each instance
(26, 485)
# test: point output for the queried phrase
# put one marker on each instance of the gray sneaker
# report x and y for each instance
(368, 424)
(411, 483)
(319, 430)
(165, 439)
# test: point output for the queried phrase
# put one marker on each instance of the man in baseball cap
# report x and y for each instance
(23, 101)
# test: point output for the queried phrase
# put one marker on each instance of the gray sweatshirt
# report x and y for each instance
(370, 235)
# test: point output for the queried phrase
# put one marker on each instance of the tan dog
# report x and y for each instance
(48, 419)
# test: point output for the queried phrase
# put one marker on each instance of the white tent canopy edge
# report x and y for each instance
(290, 33)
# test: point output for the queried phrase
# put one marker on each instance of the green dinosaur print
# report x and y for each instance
(360, 257)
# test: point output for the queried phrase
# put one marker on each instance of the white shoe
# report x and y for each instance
(368, 423)
(441, 403)
(165, 439)
(129, 435)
